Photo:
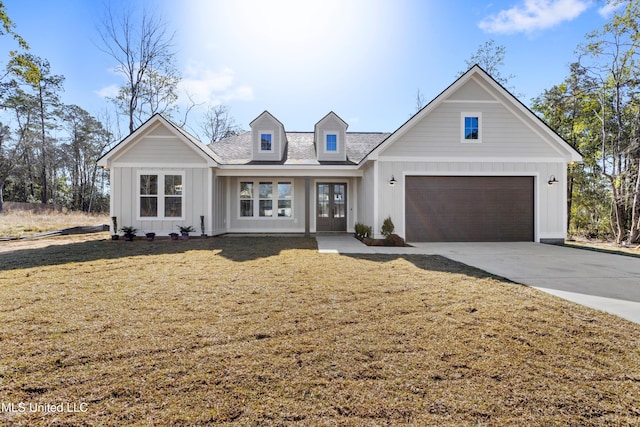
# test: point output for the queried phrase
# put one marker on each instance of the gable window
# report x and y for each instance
(471, 127)
(331, 142)
(266, 142)
(272, 199)
(160, 195)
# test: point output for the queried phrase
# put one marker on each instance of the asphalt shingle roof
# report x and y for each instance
(300, 149)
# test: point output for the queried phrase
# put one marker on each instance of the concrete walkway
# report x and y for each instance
(598, 280)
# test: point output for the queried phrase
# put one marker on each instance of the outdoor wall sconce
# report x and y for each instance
(552, 180)
(392, 181)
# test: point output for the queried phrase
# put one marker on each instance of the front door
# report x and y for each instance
(331, 207)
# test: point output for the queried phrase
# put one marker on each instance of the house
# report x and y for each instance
(473, 165)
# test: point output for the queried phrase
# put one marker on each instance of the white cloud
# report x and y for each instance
(206, 86)
(607, 11)
(110, 91)
(534, 15)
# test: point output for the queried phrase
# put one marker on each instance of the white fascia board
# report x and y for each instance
(279, 170)
(473, 159)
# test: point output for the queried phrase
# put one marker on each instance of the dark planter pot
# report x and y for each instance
(129, 237)
(150, 236)
(174, 236)
(115, 237)
(185, 236)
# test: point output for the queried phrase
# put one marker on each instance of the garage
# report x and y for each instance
(469, 208)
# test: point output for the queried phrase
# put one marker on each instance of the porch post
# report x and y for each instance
(307, 206)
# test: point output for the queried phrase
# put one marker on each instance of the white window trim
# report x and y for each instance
(161, 174)
(463, 115)
(324, 142)
(273, 140)
(274, 199)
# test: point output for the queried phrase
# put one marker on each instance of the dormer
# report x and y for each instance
(330, 135)
(268, 138)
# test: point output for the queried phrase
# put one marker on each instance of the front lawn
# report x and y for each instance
(267, 331)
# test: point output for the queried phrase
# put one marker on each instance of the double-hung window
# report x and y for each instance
(266, 142)
(160, 195)
(273, 199)
(471, 127)
(331, 143)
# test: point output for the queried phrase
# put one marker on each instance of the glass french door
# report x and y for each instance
(331, 207)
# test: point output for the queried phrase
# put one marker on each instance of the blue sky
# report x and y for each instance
(363, 59)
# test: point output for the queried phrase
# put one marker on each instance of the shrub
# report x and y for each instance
(387, 227)
(363, 231)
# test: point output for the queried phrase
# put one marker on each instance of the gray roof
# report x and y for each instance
(300, 148)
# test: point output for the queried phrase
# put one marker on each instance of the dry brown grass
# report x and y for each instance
(19, 223)
(266, 331)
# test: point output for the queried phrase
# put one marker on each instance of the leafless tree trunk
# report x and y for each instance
(143, 52)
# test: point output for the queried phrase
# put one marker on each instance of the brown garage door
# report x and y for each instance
(469, 208)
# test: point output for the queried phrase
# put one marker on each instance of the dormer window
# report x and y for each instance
(266, 142)
(331, 143)
(471, 127)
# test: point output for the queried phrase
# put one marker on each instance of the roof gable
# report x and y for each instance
(159, 128)
(478, 86)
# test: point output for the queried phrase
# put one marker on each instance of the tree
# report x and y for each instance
(566, 109)
(218, 124)
(87, 141)
(490, 57)
(7, 28)
(610, 63)
(143, 52)
(7, 158)
(36, 73)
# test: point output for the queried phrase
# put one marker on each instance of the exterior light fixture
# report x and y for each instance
(392, 181)
(552, 180)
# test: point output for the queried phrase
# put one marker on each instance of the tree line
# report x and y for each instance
(49, 149)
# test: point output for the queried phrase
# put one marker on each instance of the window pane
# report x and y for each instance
(265, 208)
(265, 142)
(148, 206)
(284, 190)
(284, 208)
(173, 206)
(471, 128)
(332, 142)
(173, 185)
(265, 190)
(338, 201)
(148, 184)
(323, 200)
(246, 207)
(246, 190)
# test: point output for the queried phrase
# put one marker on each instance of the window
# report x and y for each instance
(160, 195)
(246, 199)
(471, 127)
(265, 203)
(266, 143)
(332, 142)
(272, 200)
(284, 199)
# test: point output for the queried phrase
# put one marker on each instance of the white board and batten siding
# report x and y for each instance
(511, 144)
(548, 200)
(161, 151)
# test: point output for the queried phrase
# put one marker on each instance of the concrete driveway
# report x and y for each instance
(603, 281)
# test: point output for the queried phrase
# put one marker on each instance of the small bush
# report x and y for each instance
(362, 231)
(387, 227)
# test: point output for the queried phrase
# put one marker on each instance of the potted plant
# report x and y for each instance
(150, 236)
(129, 233)
(174, 236)
(185, 230)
